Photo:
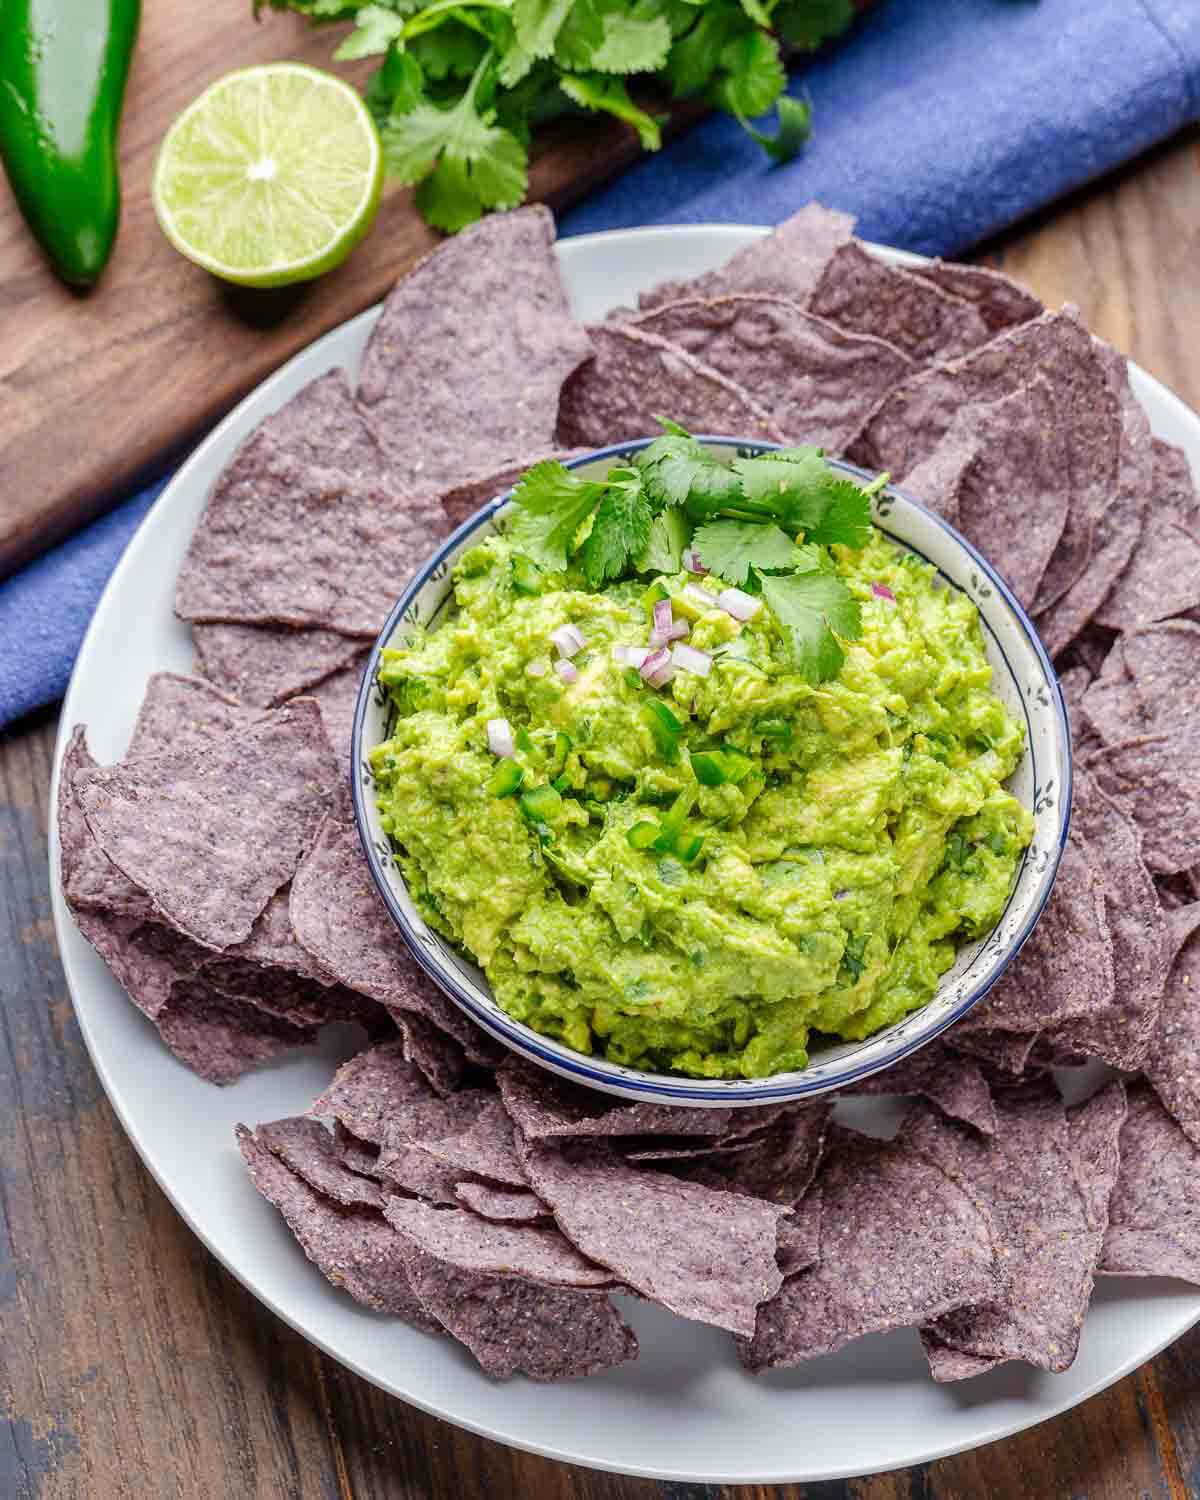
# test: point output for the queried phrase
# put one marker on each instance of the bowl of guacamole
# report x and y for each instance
(710, 771)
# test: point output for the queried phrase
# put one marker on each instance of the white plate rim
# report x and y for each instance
(1174, 420)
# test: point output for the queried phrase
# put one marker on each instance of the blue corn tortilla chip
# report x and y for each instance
(272, 943)
(863, 294)
(1001, 302)
(1006, 1052)
(462, 1239)
(954, 1084)
(146, 959)
(1152, 777)
(911, 422)
(339, 916)
(1065, 970)
(290, 996)
(1173, 1064)
(1131, 696)
(212, 832)
(298, 536)
(901, 1242)
(1044, 1178)
(1154, 1213)
(1118, 523)
(502, 1205)
(799, 1245)
(1010, 498)
(371, 1089)
(635, 375)
(463, 369)
(483, 1146)
(1162, 577)
(354, 1247)
(410, 1125)
(183, 713)
(337, 695)
(1120, 1032)
(779, 1166)
(359, 1156)
(786, 263)
(516, 1327)
(266, 664)
(90, 880)
(818, 382)
(544, 1106)
(307, 1149)
(705, 1255)
(219, 1038)
(437, 1055)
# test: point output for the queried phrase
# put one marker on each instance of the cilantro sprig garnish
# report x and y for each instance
(763, 525)
(463, 83)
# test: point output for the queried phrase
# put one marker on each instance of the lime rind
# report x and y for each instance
(273, 175)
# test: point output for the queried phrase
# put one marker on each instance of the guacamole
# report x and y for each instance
(695, 877)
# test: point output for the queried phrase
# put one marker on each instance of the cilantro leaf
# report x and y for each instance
(514, 64)
(795, 127)
(808, 23)
(538, 22)
(449, 50)
(754, 76)
(677, 469)
(802, 491)
(847, 516)
(695, 56)
(620, 530)
(631, 45)
(606, 93)
(375, 29)
(550, 505)
(668, 537)
(757, 12)
(731, 548)
(808, 609)
(474, 164)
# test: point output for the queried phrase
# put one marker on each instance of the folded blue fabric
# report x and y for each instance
(937, 122)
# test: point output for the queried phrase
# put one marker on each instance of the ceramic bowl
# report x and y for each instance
(1022, 677)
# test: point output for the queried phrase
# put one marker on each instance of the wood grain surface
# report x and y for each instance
(132, 1365)
(159, 349)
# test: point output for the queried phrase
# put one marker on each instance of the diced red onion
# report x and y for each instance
(679, 629)
(500, 738)
(567, 670)
(840, 895)
(688, 659)
(881, 591)
(653, 662)
(662, 617)
(630, 656)
(662, 676)
(699, 597)
(569, 639)
(691, 561)
(538, 667)
(738, 604)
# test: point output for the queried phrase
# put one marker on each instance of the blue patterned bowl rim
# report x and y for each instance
(908, 1034)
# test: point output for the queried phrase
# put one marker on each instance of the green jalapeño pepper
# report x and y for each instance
(63, 66)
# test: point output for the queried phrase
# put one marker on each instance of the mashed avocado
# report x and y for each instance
(697, 877)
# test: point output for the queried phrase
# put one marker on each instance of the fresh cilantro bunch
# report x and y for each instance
(463, 83)
(763, 524)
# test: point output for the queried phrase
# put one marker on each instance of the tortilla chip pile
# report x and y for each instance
(217, 870)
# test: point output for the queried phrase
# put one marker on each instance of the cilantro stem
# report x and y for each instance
(433, 15)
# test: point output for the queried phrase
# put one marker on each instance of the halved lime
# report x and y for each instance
(272, 175)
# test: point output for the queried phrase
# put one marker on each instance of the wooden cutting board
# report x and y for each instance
(97, 390)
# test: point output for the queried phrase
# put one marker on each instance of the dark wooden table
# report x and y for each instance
(132, 1364)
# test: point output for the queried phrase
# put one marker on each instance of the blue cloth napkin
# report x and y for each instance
(937, 122)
